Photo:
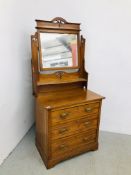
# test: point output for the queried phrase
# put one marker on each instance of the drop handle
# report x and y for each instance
(64, 115)
(62, 130)
(86, 123)
(88, 109)
(62, 147)
(85, 139)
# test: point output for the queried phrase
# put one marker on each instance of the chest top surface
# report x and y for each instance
(71, 97)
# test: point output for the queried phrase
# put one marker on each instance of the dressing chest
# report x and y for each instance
(67, 113)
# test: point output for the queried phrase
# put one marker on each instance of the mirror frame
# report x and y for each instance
(60, 26)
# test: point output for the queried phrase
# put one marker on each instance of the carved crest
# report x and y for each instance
(59, 74)
(59, 20)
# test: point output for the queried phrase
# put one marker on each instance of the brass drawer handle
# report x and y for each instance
(88, 109)
(62, 130)
(64, 115)
(62, 147)
(85, 139)
(86, 123)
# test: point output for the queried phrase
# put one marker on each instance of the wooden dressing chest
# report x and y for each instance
(67, 113)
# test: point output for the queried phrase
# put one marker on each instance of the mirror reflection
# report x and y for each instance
(58, 50)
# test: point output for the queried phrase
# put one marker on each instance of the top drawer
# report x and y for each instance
(68, 114)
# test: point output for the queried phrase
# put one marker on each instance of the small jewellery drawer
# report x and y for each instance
(89, 108)
(68, 114)
(73, 127)
(66, 145)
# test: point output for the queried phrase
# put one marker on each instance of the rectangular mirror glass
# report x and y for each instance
(58, 50)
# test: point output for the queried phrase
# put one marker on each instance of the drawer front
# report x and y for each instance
(69, 114)
(73, 127)
(64, 146)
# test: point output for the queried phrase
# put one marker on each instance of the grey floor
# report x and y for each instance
(112, 158)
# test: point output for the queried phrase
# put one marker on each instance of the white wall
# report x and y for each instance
(106, 24)
(16, 101)
(109, 61)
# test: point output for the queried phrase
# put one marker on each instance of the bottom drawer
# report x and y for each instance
(64, 146)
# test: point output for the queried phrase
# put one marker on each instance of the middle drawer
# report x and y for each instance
(74, 127)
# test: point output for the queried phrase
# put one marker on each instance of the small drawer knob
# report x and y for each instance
(62, 147)
(62, 130)
(64, 115)
(86, 123)
(85, 139)
(88, 109)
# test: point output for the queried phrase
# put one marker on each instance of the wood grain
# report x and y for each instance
(67, 113)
